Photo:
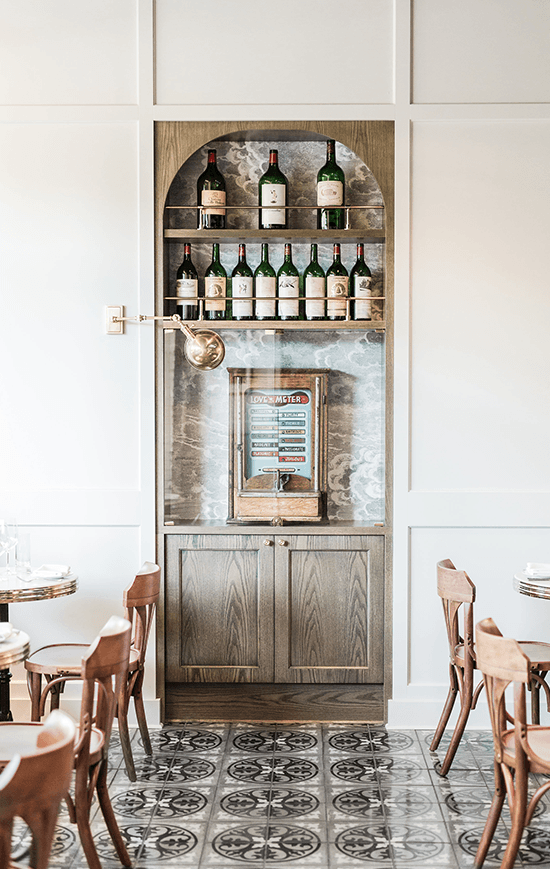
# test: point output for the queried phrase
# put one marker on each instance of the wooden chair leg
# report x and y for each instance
(124, 734)
(34, 684)
(109, 816)
(492, 818)
(140, 715)
(82, 811)
(457, 734)
(447, 709)
(5, 841)
(518, 811)
(42, 826)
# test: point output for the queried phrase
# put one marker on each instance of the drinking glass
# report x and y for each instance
(8, 541)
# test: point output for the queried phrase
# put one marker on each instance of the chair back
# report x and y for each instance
(104, 669)
(140, 599)
(455, 588)
(502, 661)
(33, 785)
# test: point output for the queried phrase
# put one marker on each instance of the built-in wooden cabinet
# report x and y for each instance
(260, 622)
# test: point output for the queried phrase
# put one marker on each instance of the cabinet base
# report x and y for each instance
(273, 702)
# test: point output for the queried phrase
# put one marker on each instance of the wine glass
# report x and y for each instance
(8, 540)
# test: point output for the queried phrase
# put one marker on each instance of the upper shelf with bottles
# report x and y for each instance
(221, 185)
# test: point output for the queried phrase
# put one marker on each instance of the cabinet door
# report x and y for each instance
(329, 609)
(219, 609)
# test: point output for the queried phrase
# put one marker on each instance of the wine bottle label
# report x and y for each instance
(289, 288)
(315, 289)
(362, 290)
(273, 195)
(266, 288)
(242, 289)
(330, 193)
(214, 291)
(187, 288)
(211, 200)
(337, 291)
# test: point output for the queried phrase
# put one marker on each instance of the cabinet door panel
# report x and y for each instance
(219, 614)
(329, 609)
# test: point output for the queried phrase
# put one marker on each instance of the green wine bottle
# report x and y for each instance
(337, 287)
(265, 288)
(187, 287)
(288, 288)
(314, 287)
(330, 192)
(272, 194)
(215, 288)
(241, 287)
(360, 280)
(211, 195)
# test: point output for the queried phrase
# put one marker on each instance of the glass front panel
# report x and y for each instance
(196, 419)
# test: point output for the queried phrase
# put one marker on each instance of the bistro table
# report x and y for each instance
(532, 587)
(15, 590)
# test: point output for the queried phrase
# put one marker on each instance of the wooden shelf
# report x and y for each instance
(277, 236)
(285, 325)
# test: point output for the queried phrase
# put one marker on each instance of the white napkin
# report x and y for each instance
(51, 571)
(537, 570)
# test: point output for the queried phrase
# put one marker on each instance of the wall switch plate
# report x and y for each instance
(114, 327)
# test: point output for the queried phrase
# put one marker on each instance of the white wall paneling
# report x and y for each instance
(69, 243)
(67, 53)
(480, 306)
(496, 51)
(254, 53)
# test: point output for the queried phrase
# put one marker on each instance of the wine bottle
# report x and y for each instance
(272, 192)
(314, 287)
(360, 280)
(330, 192)
(337, 287)
(187, 287)
(215, 288)
(265, 288)
(288, 288)
(241, 287)
(211, 196)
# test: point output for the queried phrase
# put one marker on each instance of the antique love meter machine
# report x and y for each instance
(278, 445)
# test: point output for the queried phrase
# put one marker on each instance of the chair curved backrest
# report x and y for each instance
(455, 588)
(104, 669)
(139, 600)
(502, 661)
(33, 785)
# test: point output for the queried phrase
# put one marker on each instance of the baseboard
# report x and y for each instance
(21, 707)
(424, 715)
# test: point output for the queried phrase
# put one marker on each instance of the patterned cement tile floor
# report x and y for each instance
(313, 796)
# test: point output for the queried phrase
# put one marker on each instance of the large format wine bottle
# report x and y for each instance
(330, 192)
(314, 287)
(187, 287)
(215, 288)
(337, 287)
(265, 288)
(241, 287)
(272, 192)
(360, 280)
(288, 288)
(211, 196)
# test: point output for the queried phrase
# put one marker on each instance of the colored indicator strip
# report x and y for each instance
(270, 418)
(293, 413)
(264, 453)
(292, 440)
(288, 422)
(292, 449)
(265, 427)
(265, 445)
(267, 411)
(292, 458)
(288, 431)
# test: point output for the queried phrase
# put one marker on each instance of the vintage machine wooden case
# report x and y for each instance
(278, 443)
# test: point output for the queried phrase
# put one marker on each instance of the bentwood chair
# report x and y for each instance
(61, 663)
(103, 671)
(520, 748)
(456, 589)
(33, 784)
